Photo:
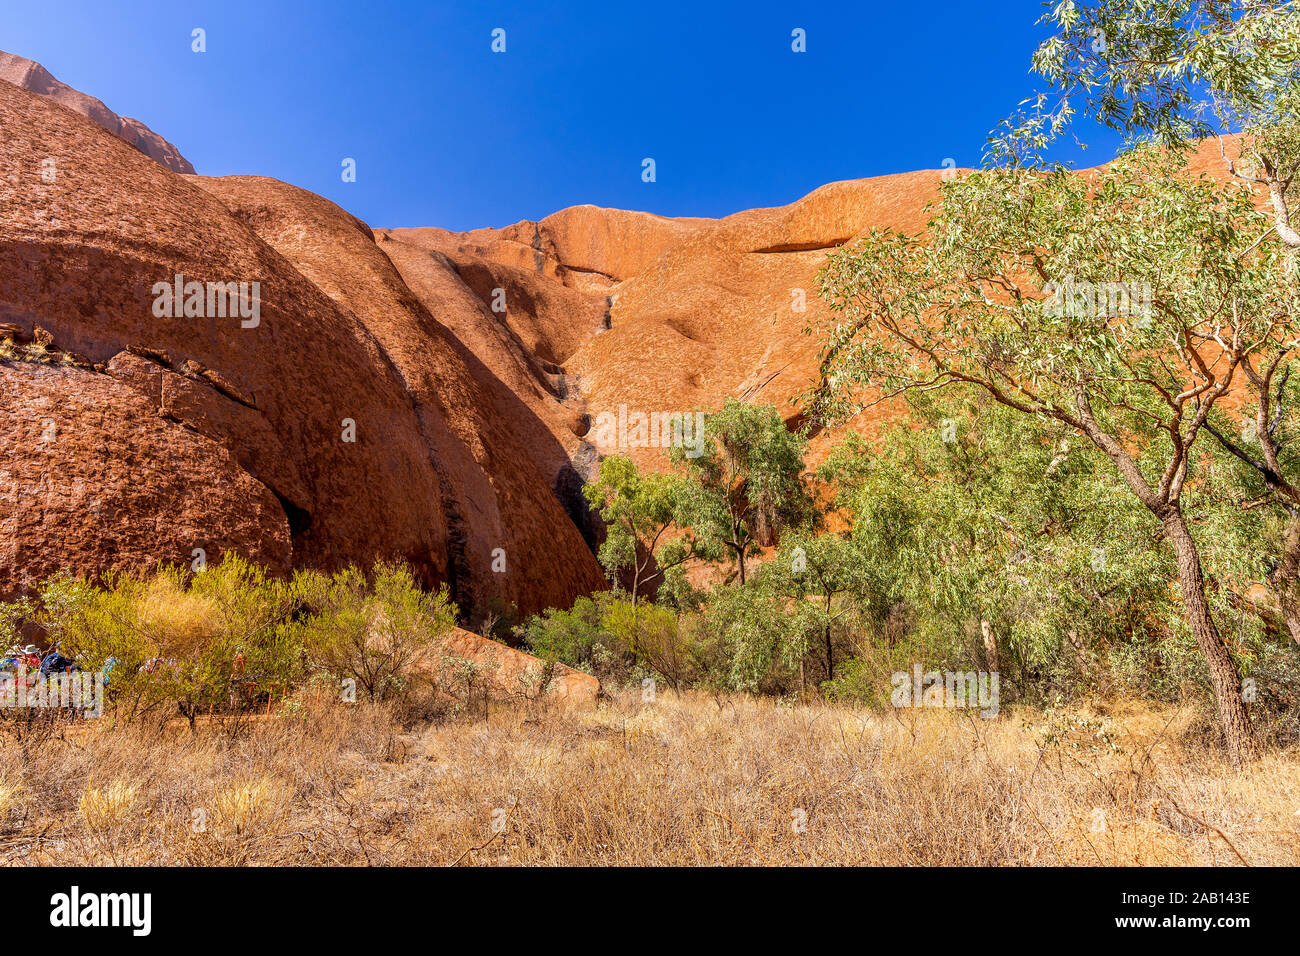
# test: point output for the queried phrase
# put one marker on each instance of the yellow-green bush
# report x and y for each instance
(372, 631)
(230, 637)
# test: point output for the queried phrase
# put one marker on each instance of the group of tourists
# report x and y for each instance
(30, 661)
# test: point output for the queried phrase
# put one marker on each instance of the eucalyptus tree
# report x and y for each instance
(968, 517)
(824, 580)
(748, 481)
(1121, 304)
(1176, 71)
(1021, 286)
(646, 534)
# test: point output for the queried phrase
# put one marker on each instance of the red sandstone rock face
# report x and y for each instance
(91, 472)
(691, 311)
(722, 313)
(472, 365)
(30, 75)
(240, 418)
(697, 310)
(703, 310)
(497, 464)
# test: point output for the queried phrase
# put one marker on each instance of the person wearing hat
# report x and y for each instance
(31, 657)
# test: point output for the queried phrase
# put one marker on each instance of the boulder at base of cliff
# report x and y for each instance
(511, 673)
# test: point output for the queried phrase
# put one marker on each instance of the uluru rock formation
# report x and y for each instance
(416, 394)
(696, 311)
(413, 394)
(692, 311)
(347, 405)
(30, 75)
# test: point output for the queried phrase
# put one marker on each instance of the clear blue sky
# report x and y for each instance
(447, 133)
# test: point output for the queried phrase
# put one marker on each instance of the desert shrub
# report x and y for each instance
(866, 678)
(231, 637)
(964, 513)
(617, 640)
(174, 641)
(1275, 689)
(570, 637)
(103, 809)
(498, 620)
(1158, 666)
(653, 639)
(862, 679)
(374, 630)
(749, 642)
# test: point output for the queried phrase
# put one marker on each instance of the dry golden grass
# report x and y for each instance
(689, 780)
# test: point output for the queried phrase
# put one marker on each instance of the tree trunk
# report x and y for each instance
(1284, 582)
(738, 542)
(1080, 653)
(1291, 613)
(1233, 715)
(830, 647)
(990, 647)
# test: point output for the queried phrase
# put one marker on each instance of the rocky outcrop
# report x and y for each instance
(671, 315)
(341, 426)
(496, 462)
(723, 313)
(511, 673)
(411, 394)
(93, 477)
(30, 75)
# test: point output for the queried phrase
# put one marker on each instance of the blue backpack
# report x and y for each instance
(55, 662)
